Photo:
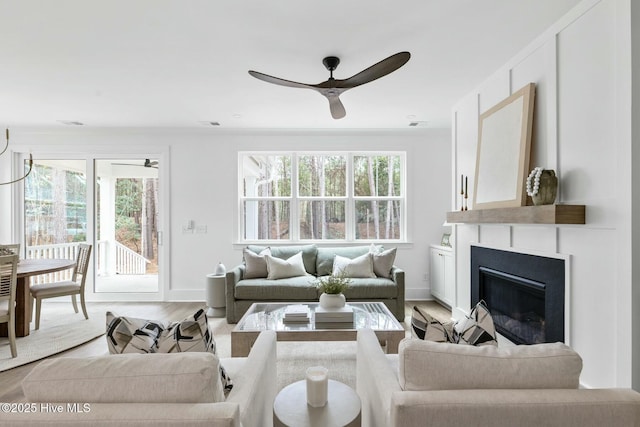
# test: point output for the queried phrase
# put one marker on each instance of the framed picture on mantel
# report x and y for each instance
(504, 149)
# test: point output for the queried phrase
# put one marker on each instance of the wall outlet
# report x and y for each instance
(201, 229)
(425, 277)
(187, 230)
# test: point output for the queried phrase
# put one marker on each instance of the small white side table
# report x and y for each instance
(342, 409)
(216, 297)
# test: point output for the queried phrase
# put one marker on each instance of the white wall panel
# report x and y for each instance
(539, 68)
(534, 238)
(493, 90)
(466, 144)
(593, 293)
(495, 235)
(466, 235)
(586, 98)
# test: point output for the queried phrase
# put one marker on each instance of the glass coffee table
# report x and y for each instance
(270, 316)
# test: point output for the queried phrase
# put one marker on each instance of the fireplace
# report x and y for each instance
(525, 293)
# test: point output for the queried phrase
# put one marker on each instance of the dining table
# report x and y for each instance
(26, 269)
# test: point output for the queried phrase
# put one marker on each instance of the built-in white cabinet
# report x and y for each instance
(441, 273)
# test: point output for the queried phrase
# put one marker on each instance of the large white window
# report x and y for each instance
(311, 196)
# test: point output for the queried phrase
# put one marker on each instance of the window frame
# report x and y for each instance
(350, 198)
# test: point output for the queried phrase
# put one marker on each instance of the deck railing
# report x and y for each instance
(60, 250)
(129, 262)
(126, 260)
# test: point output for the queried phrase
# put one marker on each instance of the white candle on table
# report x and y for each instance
(317, 386)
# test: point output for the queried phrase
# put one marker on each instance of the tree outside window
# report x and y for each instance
(321, 196)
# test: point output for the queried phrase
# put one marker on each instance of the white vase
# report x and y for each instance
(221, 270)
(329, 301)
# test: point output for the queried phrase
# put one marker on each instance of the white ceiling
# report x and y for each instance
(176, 63)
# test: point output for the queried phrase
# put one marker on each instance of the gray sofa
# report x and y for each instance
(451, 385)
(241, 292)
(167, 389)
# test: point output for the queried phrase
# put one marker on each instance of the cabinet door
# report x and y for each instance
(436, 273)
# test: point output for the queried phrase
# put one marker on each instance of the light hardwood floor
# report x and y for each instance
(11, 390)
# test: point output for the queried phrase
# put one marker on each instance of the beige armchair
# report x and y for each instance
(450, 385)
(166, 389)
(71, 287)
(8, 270)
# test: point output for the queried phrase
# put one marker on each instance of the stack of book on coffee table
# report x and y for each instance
(334, 315)
(297, 313)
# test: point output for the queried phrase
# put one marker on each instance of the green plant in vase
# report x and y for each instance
(332, 288)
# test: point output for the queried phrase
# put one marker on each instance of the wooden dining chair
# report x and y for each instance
(12, 249)
(8, 272)
(72, 287)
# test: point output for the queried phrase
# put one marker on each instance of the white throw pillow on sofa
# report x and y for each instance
(361, 266)
(282, 269)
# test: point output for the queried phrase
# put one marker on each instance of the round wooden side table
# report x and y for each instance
(342, 409)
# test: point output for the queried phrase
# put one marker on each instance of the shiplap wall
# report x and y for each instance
(582, 131)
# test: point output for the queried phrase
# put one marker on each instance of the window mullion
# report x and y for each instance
(350, 202)
(294, 204)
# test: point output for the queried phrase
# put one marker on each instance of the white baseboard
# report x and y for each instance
(417, 294)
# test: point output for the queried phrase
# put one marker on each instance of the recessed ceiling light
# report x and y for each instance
(237, 116)
(71, 122)
(411, 116)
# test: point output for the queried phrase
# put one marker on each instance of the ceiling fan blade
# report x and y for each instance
(336, 107)
(278, 81)
(381, 69)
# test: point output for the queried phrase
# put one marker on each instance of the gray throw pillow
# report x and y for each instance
(383, 262)
(255, 264)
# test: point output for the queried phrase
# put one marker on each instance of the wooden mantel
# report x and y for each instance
(544, 214)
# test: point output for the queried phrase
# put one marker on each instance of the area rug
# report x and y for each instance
(60, 330)
(294, 357)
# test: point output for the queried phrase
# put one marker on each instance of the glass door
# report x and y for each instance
(126, 218)
(55, 212)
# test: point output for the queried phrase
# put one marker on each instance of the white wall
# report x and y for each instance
(582, 131)
(202, 171)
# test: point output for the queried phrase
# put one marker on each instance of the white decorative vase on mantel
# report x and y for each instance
(329, 301)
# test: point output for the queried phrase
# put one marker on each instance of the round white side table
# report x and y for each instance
(342, 409)
(216, 297)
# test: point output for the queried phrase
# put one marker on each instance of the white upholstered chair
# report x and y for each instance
(72, 287)
(8, 270)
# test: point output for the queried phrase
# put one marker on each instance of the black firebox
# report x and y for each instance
(524, 293)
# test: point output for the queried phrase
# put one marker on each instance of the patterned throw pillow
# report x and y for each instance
(131, 335)
(427, 328)
(192, 334)
(478, 328)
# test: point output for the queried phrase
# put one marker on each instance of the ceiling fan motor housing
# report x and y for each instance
(331, 62)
